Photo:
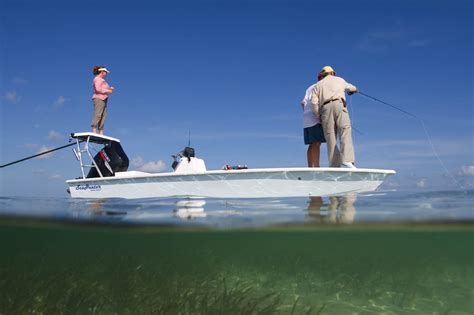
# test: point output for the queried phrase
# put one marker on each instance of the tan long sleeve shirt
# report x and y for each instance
(329, 88)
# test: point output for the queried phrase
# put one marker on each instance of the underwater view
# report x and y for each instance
(379, 253)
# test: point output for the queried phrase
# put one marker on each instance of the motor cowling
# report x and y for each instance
(185, 162)
(110, 159)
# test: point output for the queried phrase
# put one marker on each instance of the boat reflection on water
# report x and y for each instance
(96, 210)
(143, 212)
(339, 210)
(218, 212)
(190, 209)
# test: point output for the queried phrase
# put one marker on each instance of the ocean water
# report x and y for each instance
(379, 253)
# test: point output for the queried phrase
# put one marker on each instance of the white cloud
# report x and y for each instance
(383, 39)
(379, 41)
(150, 167)
(467, 170)
(54, 135)
(137, 161)
(42, 149)
(153, 167)
(55, 176)
(61, 101)
(12, 97)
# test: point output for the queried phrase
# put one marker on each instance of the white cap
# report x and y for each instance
(103, 69)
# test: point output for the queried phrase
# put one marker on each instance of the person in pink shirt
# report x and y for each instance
(102, 91)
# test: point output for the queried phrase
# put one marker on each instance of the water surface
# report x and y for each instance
(382, 253)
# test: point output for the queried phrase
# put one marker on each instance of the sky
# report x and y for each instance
(232, 75)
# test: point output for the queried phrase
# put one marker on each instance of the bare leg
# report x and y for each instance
(309, 157)
(94, 130)
(313, 154)
(101, 131)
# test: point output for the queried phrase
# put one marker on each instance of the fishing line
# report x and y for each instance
(426, 134)
(36, 155)
(351, 112)
(393, 106)
(351, 109)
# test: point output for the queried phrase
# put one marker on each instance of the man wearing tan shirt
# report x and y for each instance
(329, 103)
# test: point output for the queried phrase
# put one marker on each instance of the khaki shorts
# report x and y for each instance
(100, 113)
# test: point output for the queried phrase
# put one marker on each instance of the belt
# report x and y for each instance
(332, 100)
(337, 99)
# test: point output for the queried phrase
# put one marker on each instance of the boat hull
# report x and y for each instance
(255, 183)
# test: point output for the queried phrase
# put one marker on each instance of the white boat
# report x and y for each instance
(108, 177)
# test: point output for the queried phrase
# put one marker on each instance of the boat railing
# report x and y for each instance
(78, 152)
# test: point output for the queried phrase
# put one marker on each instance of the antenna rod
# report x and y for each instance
(189, 138)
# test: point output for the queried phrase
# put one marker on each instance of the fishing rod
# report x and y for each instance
(425, 130)
(39, 154)
(393, 106)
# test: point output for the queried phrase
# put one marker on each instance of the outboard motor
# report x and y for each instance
(110, 159)
(188, 153)
(186, 162)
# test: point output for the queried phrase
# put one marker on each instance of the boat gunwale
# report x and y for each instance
(242, 171)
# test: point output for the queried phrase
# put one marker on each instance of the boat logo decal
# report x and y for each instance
(91, 187)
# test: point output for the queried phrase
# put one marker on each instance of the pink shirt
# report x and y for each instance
(101, 88)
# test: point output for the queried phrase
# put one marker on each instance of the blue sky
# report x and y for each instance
(233, 73)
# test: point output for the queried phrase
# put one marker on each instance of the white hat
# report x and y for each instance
(103, 69)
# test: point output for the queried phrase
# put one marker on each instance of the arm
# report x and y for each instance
(315, 101)
(102, 87)
(305, 101)
(350, 89)
(307, 97)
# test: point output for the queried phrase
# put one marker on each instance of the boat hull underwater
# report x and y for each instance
(108, 177)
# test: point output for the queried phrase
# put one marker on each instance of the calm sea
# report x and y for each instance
(379, 253)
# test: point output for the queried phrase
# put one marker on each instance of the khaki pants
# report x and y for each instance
(336, 122)
(100, 113)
